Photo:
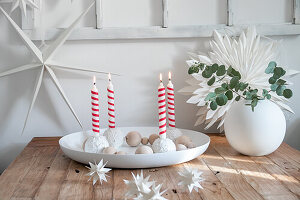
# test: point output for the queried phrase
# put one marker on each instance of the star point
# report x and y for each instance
(190, 178)
(98, 172)
(45, 63)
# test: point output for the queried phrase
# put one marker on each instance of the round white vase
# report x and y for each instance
(255, 133)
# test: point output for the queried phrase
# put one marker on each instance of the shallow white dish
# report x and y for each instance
(71, 145)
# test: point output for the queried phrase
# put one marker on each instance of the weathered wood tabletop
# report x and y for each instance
(42, 171)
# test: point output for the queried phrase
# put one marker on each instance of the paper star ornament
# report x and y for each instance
(138, 185)
(45, 63)
(248, 55)
(190, 178)
(154, 194)
(98, 172)
(23, 5)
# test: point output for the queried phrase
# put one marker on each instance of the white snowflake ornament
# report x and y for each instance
(139, 185)
(154, 194)
(190, 177)
(98, 172)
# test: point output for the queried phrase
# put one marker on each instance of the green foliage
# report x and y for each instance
(232, 86)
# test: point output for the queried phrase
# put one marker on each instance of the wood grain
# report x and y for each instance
(229, 176)
(43, 172)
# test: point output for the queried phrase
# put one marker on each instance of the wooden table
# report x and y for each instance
(42, 171)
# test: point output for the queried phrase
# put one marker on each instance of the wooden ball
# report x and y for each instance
(145, 140)
(190, 145)
(183, 140)
(109, 150)
(144, 150)
(152, 138)
(180, 147)
(133, 138)
(121, 153)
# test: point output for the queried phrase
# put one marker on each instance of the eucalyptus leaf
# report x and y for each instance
(210, 96)
(229, 94)
(274, 87)
(243, 86)
(272, 80)
(214, 68)
(221, 70)
(270, 67)
(220, 90)
(287, 93)
(233, 82)
(206, 74)
(224, 85)
(237, 98)
(211, 81)
(221, 99)
(278, 71)
(281, 82)
(280, 89)
(254, 103)
(265, 92)
(213, 105)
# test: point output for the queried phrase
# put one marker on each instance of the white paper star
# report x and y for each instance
(154, 194)
(138, 185)
(44, 62)
(23, 5)
(248, 55)
(98, 172)
(190, 177)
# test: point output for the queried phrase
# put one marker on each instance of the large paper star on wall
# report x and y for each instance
(22, 4)
(44, 62)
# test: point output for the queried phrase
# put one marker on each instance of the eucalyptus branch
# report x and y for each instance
(222, 94)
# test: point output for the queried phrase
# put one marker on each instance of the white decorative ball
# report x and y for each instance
(173, 133)
(255, 133)
(144, 150)
(162, 145)
(95, 144)
(115, 137)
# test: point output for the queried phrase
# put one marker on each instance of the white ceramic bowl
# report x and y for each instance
(71, 145)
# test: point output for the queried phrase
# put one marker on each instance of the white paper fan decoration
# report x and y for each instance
(43, 60)
(190, 178)
(249, 55)
(98, 172)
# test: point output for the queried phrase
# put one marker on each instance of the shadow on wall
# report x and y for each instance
(186, 111)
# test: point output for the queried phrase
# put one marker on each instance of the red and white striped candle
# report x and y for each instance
(111, 103)
(171, 102)
(95, 108)
(162, 109)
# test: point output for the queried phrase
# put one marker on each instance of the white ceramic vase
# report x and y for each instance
(255, 133)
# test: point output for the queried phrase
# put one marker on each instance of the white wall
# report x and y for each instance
(139, 62)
